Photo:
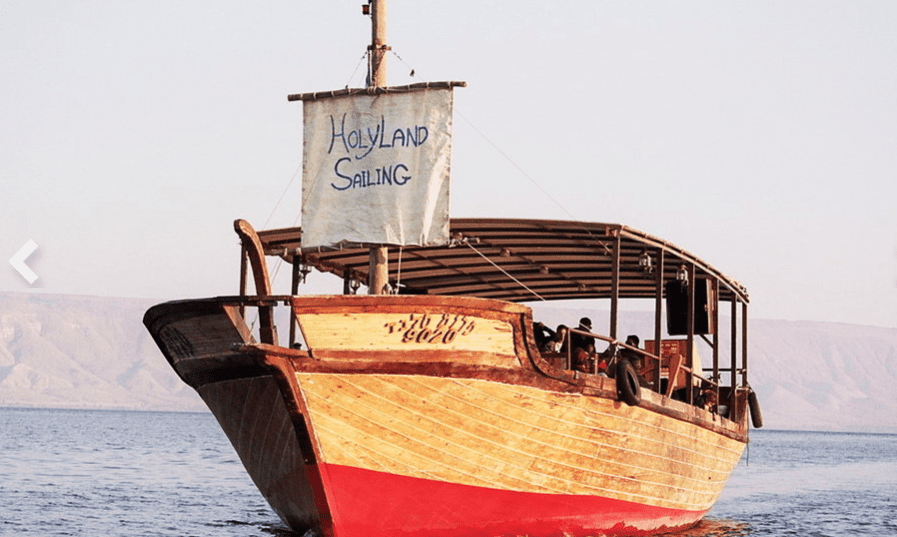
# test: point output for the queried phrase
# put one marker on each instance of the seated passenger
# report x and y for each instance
(579, 341)
(607, 360)
(583, 359)
(542, 333)
(636, 359)
(558, 343)
(629, 354)
(707, 400)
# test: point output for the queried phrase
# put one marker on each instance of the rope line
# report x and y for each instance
(497, 148)
(399, 273)
(282, 195)
(505, 155)
(517, 166)
(355, 72)
(503, 271)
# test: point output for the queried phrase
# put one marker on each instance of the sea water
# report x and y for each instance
(117, 473)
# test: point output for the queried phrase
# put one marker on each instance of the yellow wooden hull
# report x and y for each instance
(500, 436)
(423, 417)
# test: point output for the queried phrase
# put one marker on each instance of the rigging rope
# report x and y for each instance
(503, 271)
(399, 273)
(363, 57)
(523, 172)
(282, 195)
(271, 215)
(497, 148)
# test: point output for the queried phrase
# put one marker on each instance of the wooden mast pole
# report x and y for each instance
(378, 273)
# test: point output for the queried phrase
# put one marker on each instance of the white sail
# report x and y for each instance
(376, 169)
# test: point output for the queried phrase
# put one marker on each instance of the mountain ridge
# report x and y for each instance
(71, 351)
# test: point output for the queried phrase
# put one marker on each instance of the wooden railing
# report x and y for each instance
(675, 364)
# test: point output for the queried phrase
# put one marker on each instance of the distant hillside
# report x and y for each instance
(90, 352)
(825, 376)
(84, 352)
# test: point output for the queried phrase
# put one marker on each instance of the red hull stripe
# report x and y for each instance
(365, 503)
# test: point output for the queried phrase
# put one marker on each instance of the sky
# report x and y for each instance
(761, 136)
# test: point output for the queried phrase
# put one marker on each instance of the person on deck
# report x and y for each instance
(558, 343)
(580, 341)
(542, 333)
(628, 354)
(635, 358)
(582, 347)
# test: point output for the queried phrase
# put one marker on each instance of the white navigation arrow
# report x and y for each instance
(18, 261)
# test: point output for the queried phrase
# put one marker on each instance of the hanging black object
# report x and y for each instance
(677, 307)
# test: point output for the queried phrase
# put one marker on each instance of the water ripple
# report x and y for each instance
(87, 473)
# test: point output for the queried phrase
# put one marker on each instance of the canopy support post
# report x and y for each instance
(690, 338)
(716, 329)
(615, 285)
(658, 317)
(244, 267)
(733, 407)
(744, 344)
(294, 290)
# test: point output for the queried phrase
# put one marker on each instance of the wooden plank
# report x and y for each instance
(379, 360)
(503, 436)
(252, 414)
(409, 332)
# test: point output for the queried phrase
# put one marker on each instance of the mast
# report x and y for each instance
(378, 273)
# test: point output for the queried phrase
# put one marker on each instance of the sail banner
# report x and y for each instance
(376, 169)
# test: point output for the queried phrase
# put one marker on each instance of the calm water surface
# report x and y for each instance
(80, 472)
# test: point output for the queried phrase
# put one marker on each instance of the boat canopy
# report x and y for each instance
(518, 261)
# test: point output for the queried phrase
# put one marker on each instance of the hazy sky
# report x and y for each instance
(761, 136)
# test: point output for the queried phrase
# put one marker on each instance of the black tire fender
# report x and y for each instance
(628, 389)
(754, 406)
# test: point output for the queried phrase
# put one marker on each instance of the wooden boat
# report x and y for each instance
(432, 411)
(435, 414)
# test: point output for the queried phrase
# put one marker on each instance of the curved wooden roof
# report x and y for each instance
(515, 260)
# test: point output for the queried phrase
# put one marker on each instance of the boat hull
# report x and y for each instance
(253, 416)
(381, 504)
(434, 456)
(491, 447)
